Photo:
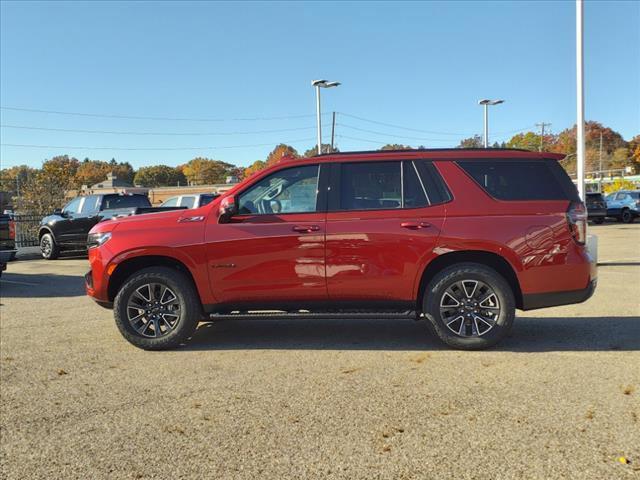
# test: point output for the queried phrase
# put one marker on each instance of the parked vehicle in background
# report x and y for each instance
(596, 207)
(624, 205)
(460, 238)
(190, 201)
(67, 229)
(7, 240)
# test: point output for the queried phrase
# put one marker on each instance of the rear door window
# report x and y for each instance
(370, 186)
(112, 202)
(517, 180)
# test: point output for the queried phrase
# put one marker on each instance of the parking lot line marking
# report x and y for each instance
(20, 283)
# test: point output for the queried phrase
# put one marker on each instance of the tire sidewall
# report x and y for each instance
(189, 310)
(627, 216)
(53, 254)
(470, 271)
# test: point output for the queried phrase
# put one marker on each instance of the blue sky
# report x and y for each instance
(416, 65)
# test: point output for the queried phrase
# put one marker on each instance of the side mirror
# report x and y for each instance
(58, 211)
(227, 209)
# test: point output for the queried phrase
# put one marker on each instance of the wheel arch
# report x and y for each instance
(482, 257)
(130, 266)
(45, 229)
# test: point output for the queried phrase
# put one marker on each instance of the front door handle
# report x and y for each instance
(415, 225)
(305, 228)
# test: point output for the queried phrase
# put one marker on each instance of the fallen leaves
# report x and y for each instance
(628, 390)
(62, 372)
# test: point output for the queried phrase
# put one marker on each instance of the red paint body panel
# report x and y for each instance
(355, 255)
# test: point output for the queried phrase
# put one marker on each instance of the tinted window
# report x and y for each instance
(206, 199)
(90, 204)
(414, 192)
(433, 183)
(292, 190)
(73, 206)
(171, 202)
(516, 180)
(111, 202)
(370, 186)
(635, 195)
(187, 201)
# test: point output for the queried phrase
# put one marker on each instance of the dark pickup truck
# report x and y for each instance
(67, 229)
(7, 241)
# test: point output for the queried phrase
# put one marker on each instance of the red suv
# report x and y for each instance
(459, 238)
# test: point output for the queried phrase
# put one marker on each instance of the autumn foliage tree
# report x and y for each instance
(281, 150)
(91, 172)
(159, 176)
(205, 171)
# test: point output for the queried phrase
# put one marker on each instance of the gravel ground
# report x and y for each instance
(320, 399)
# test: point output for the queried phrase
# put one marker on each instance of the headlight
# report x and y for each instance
(97, 239)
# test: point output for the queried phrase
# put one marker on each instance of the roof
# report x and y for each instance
(110, 182)
(442, 154)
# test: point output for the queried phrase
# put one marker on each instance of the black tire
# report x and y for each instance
(598, 221)
(186, 298)
(434, 295)
(49, 249)
(626, 216)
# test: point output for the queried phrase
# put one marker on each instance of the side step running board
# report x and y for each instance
(409, 314)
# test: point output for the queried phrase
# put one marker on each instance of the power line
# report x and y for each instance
(120, 132)
(139, 117)
(425, 131)
(394, 135)
(70, 147)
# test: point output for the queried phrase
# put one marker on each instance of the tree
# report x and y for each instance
(45, 191)
(471, 142)
(281, 150)
(12, 181)
(531, 141)
(91, 172)
(255, 167)
(205, 171)
(159, 176)
(313, 151)
(395, 146)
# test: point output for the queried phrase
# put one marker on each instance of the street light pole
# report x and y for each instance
(485, 103)
(580, 99)
(321, 84)
(319, 119)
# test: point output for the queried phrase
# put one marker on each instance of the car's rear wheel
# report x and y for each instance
(598, 221)
(157, 309)
(626, 216)
(469, 306)
(48, 247)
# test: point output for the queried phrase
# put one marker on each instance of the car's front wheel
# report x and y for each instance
(48, 247)
(598, 221)
(469, 306)
(626, 216)
(157, 309)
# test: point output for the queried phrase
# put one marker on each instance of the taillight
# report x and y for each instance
(12, 230)
(577, 220)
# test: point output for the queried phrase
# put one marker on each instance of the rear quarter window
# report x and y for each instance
(521, 180)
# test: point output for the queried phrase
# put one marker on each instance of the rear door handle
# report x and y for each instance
(305, 228)
(415, 225)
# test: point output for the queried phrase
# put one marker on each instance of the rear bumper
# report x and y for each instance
(7, 255)
(554, 299)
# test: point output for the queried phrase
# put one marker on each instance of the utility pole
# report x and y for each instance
(600, 154)
(333, 130)
(542, 125)
(580, 97)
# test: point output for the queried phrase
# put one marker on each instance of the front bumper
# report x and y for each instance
(88, 285)
(554, 299)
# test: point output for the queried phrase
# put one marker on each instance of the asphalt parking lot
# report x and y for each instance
(320, 399)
